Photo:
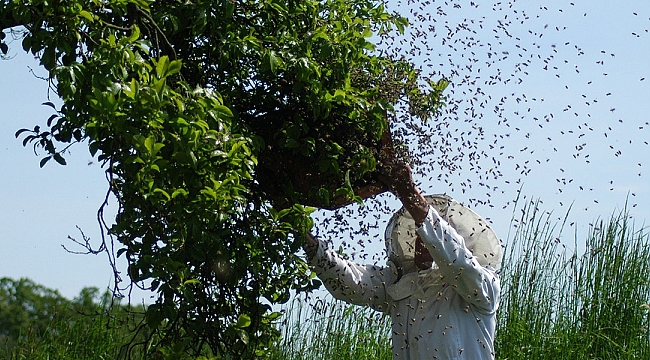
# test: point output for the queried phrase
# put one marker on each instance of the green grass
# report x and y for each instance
(88, 327)
(333, 330)
(89, 337)
(555, 304)
(586, 305)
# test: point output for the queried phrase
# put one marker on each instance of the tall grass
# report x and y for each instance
(584, 304)
(84, 338)
(93, 336)
(333, 330)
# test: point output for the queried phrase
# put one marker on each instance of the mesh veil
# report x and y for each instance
(479, 237)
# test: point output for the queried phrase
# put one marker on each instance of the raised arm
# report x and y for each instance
(476, 284)
(396, 175)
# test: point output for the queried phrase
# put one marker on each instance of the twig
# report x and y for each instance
(116, 27)
(158, 30)
(85, 244)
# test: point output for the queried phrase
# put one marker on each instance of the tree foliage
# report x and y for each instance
(217, 121)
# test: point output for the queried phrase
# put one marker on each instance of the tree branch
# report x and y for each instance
(159, 31)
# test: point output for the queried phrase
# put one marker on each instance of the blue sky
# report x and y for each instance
(40, 208)
(573, 130)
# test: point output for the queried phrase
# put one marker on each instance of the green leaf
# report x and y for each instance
(162, 65)
(282, 213)
(179, 192)
(440, 85)
(174, 67)
(93, 147)
(243, 321)
(324, 196)
(131, 89)
(209, 192)
(159, 86)
(274, 315)
(342, 192)
(156, 148)
(87, 15)
(155, 284)
(224, 111)
(135, 34)
(339, 95)
(27, 43)
(271, 62)
(149, 144)
(320, 34)
(192, 282)
(162, 192)
(154, 315)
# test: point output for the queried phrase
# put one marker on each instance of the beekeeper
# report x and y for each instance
(440, 287)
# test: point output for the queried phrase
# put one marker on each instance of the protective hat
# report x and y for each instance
(479, 237)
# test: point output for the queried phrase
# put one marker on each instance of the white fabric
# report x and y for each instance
(443, 313)
(479, 237)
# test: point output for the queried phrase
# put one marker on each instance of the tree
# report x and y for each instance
(217, 122)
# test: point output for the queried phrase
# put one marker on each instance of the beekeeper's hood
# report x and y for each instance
(479, 237)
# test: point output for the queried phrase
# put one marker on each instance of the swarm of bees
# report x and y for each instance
(543, 101)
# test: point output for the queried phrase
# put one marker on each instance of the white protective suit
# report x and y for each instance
(446, 312)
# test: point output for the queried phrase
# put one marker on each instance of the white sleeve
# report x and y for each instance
(478, 285)
(351, 282)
